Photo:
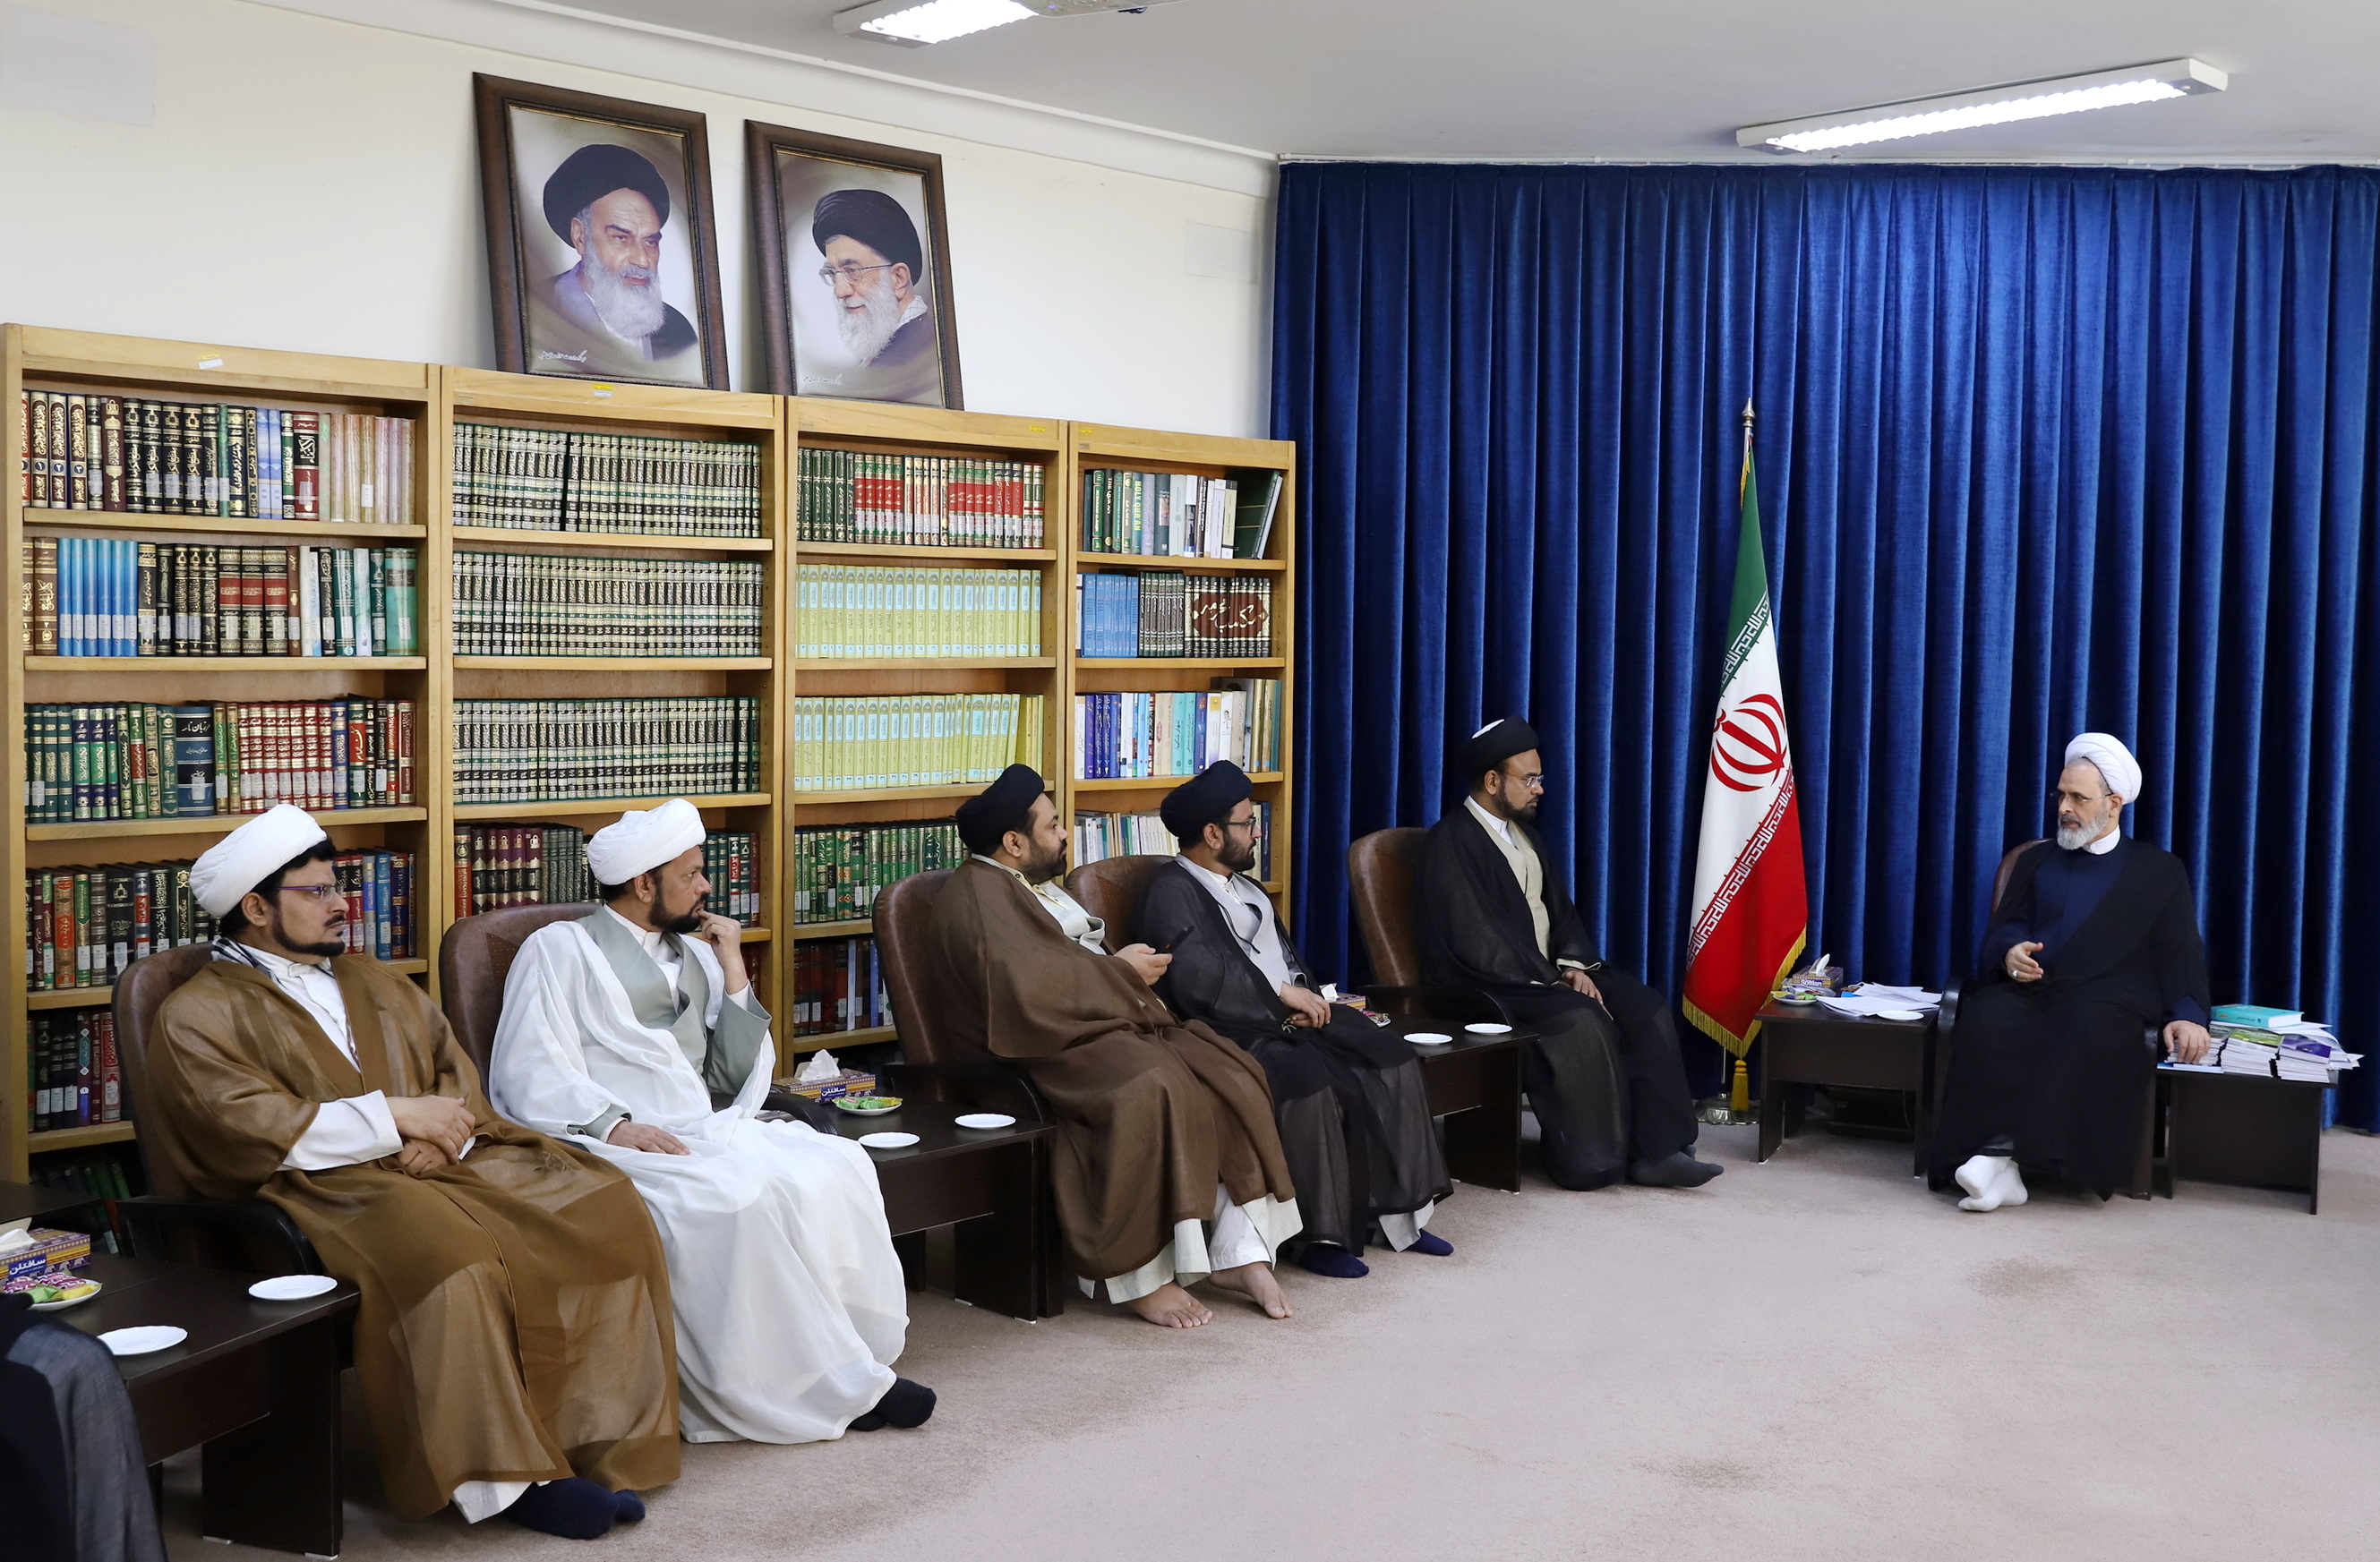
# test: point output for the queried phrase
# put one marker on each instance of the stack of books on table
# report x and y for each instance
(2273, 1043)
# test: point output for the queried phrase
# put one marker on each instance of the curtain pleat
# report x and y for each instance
(2040, 450)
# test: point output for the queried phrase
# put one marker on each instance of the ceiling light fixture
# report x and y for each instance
(1997, 106)
(913, 24)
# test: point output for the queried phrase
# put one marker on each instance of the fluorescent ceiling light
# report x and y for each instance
(1999, 105)
(919, 22)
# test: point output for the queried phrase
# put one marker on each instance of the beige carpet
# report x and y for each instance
(1809, 1359)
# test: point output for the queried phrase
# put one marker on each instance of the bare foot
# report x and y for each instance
(1255, 1281)
(1169, 1306)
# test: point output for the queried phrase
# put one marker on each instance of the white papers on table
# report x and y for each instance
(1874, 997)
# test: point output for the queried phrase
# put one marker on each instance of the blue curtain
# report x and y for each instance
(2040, 451)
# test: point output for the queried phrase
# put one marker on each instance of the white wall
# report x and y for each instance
(311, 182)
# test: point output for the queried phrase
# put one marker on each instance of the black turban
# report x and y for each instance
(1005, 804)
(874, 218)
(590, 174)
(1205, 798)
(1490, 746)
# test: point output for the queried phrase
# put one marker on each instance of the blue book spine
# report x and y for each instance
(128, 599)
(69, 596)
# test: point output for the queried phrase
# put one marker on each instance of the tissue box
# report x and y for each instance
(850, 1081)
(51, 1249)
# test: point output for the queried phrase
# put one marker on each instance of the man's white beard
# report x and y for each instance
(866, 331)
(634, 313)
(2081, 835)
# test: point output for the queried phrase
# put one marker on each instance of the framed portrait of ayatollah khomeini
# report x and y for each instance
(602, 260)
(854, 267)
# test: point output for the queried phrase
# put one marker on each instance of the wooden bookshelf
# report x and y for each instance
(45, 359)
(1091, 447)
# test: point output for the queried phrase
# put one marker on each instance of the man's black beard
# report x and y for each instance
(1511, 810)
(1043, 868)
(329, 949)
(685, 925)
(1240, 857)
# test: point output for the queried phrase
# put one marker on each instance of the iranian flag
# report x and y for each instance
(1751, 907)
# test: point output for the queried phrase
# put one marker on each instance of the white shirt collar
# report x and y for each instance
(1230, 882)
(652, 940)
(2106, 844)
(280, 965)
(1503, 829)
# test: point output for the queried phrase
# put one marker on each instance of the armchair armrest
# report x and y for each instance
(800, 1108)
(1434, 1002)
(250, 1234)
(1947, 1018)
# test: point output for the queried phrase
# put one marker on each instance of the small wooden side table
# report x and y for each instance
(990, 1183)
(1810, 1044)
(2246, 1130)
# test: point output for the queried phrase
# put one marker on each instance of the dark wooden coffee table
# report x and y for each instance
(991, 1184)
(256, 1384)
(2246, 1130)
(1474, 1082)
(1810, 1044)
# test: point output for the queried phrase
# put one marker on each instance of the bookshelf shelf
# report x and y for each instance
(80, 1138)
(883, 794)
(927, 555)
(226, 663)
(479, 537)
(828, 1040)
(854, 930)
(99, 998)
(209, 824)
(602, 806)
(1087, 560)
(911, 663)
(1157, 783)
(1215, 663)
(618, 663)
(47, 519)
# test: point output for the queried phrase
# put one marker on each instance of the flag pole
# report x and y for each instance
(1739, 1091)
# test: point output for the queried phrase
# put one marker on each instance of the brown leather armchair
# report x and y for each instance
(936, 1064)
(2143, 1179)
(1109, 888)
(1381, 867)
(474, 958)
(172, 1221)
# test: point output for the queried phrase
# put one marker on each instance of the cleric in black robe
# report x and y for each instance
(1604, 1075)
(2094, 941)
(1354, 1119)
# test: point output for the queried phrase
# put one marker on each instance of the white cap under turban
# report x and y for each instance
(248, 857)
(2116, 766)
(643, 840)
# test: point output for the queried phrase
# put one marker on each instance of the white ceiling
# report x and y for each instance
(1660, 80)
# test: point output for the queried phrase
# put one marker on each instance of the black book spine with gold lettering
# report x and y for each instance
(109, 491)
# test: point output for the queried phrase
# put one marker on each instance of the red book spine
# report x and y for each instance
(305, 465)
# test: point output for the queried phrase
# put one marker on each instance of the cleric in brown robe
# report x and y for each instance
(1604, 1075)
(514, 1341)
(1348, 1096)
(1168, 1168)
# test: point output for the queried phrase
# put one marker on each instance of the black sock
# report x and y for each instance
(573, 1508)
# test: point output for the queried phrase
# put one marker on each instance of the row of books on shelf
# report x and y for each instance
(1178, 731)
(84, 925)
(1167, 613)
(73, 1071)
(544, 604)
(917, 500)
(557, 479)
(840, 869)
(1099, 837)
(498, 865)
(146, 761)
(880, 741)
(111, 597)
(97, 1171)
(78, 451)
(1178, 515)
(838, 986)
(856, 610)
(572, 750)
(2273, 1043)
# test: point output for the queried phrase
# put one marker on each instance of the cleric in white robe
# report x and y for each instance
(625, 1032)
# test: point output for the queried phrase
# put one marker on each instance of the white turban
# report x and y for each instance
(2116, 766)
(643, 840)
(249, 855)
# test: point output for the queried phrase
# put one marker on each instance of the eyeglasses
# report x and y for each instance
(2058, 798)
(323, 893)
(1254, 827)
(851, 273)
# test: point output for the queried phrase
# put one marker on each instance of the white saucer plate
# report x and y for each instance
(1906, 1016)
(985, 1119)
(887, 1140)
(291, 1287)
(145, 1340)
(1489, 1027)
(1427, 1038)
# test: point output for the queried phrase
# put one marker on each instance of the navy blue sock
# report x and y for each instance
(1437, 1247)
(573, 1508)
(1336, 1263)
(628, 1506)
